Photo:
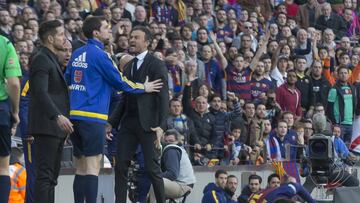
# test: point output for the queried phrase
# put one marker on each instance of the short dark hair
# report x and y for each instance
(235, 125)
(264, 57)
(174, 132)
(91, 24)
(213, 96)
(68, 20)
(232, 176)
(17, 24)
(271, 176)
(174, 100)
(342, 67)
(255, 177)
(298, 57)
(282, 121)
(248, 103)
(319, 104)
(170, 51)
(148, 36)
(48, 28)
(219, 172)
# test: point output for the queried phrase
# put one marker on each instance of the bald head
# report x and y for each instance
(140, 13)
(125, 59)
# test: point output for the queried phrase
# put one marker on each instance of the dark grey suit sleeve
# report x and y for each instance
(160, 72)
(39, 80)
(116, 115)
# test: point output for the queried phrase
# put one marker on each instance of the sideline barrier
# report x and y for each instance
(203, 174)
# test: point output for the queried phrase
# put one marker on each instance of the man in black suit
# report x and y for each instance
(48, 109)
(328, 19)
(140, 117)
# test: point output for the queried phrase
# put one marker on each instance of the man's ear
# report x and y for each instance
(96, 33)
(50, 39)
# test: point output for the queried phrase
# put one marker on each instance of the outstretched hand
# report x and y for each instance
(153, 86)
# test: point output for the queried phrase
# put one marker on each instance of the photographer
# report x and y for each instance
(338, 174)
(177, 172)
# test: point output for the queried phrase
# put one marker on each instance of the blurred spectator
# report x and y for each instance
(328, 19)
(215, 192)
(342, 104)
(222, 121)
(177, 172)
(204, 124)
(231, 187)
(180, 122)
(252, 188)
(17, 175)
(273, 181)
(308, 13)
(5, 26)
(288, 96)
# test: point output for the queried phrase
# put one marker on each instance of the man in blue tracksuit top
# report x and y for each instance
(91, 75)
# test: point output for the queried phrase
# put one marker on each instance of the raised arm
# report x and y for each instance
(263, 43)
(222, 59)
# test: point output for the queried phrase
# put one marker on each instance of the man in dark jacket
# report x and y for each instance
(230, 188)
(252, 188)
(48, 110)
(215, 192)
(320, 86)
(304, 84)
(328, 19)
(222, 121)
(203, 122)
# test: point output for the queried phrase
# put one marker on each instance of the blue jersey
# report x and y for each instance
(91, 75)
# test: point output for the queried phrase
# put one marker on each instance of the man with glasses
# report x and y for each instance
(246, 39)
(308, 129)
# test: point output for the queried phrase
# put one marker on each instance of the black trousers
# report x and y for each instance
(48, 157)
(130, 135)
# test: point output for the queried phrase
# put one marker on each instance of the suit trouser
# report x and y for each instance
(130, 134)
(48, 157)
(173, 190)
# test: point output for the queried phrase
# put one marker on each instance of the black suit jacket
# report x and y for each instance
(335, 22)
(48, 94)
(154, 107)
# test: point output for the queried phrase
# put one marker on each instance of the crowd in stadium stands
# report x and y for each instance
(246, 78)
(239, 72)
